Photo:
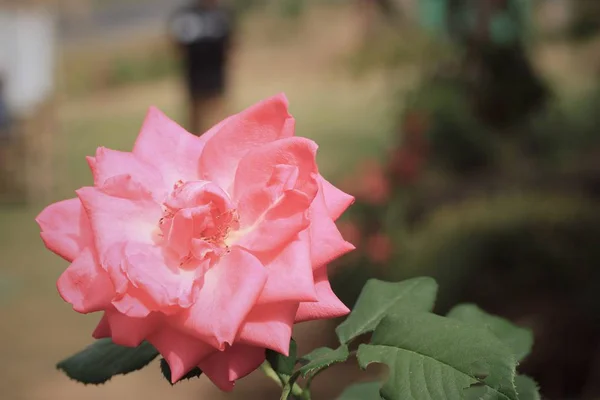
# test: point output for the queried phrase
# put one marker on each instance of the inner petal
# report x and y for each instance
(198, 217)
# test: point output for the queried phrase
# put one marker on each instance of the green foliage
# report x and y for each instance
(460, 19)
(433, 357)
(322, 358)
(166, 371)
(520, 340)
(527, 388)
(291, 8)
(585, 23)
(467, 354)
(361, 391)
(103, 359)
(312, 364)
(528, 237)
(281, 364)
(379, 299)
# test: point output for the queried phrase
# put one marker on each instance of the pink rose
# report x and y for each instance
(208, 247)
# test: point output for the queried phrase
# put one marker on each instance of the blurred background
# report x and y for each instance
(468, 130)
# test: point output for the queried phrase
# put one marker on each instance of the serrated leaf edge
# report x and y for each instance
(364, 367)
(417, 281)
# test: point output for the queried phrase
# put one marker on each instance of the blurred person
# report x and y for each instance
(5, 119)
(6, 172)
(202, 30)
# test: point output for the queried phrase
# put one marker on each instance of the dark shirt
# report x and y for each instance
(204, 36)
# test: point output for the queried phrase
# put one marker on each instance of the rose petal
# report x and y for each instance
(85, 285)
(269, 326)
(229, 292)
(132, 304)
(328, 306)
(182, 352)
(326, 240)
(164, 285)
(128, 331)
(336, 200)
(102, 329)
(117, 220)
(278, 227)
(224, 368)
(110, 163)
(267, 172)
(262, 123)
(168, 147)
(195, 193)
(290, 276)
(180, 233)
(65, 228)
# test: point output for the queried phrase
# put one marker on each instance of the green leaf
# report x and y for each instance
(166, 371)
(322, 358)
(312, 364)
(283, 365)
(527, 388)
(362, 391)
(379, 299)
(520, 340)
(103, 359)
(434, 357)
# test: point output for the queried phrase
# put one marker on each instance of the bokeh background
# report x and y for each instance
(468, 130)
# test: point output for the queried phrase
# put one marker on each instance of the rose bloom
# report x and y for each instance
(210, 247)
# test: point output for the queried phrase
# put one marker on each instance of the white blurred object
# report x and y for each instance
(27, 57)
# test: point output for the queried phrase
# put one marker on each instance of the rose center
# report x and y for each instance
(197, 219)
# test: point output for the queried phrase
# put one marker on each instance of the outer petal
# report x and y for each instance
(85, 285)
(224, 368)
(267, 172)
(110, 163)
(65, 228)
(326, 240)
(118, 220)
(262, 123)
(269, 326)
(328, 306)
(336, 200)
(127, 331)
(102, 329)
(170, 148)
(230, 290)
(132, 303)
(181, 351)
(290, 273)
